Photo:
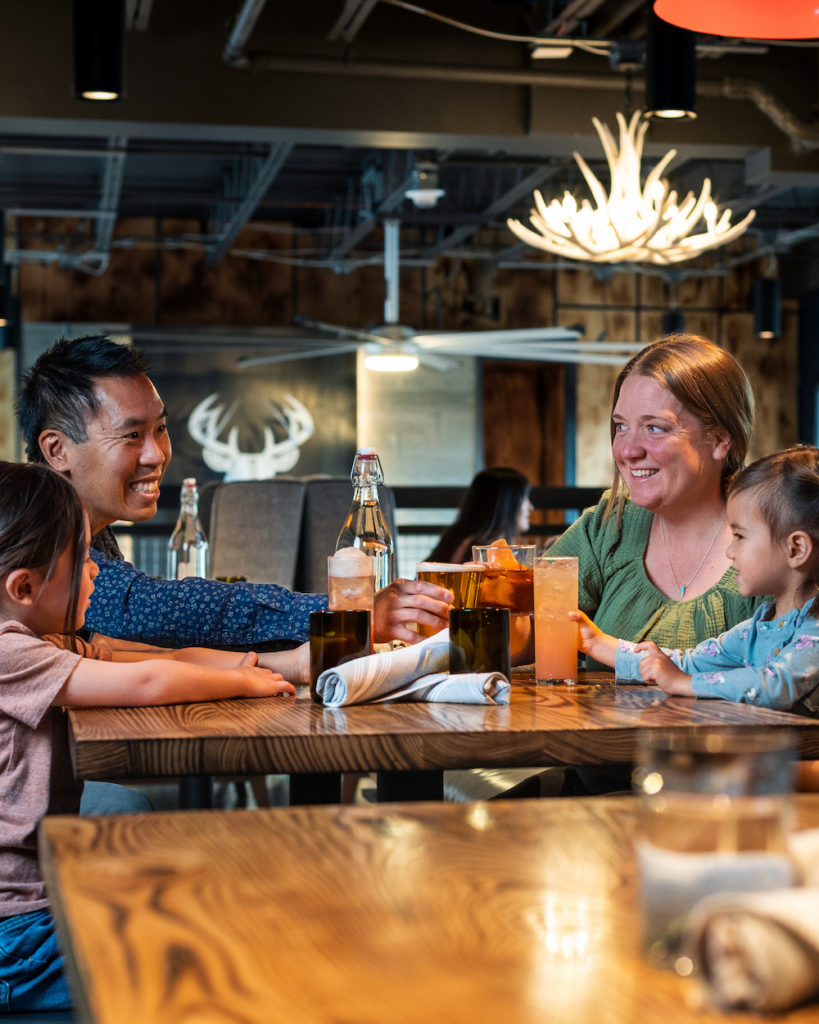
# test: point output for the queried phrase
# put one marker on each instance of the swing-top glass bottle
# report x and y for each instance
(188, 546)
(365, 527)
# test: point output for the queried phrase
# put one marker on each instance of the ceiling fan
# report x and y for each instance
(393, 346)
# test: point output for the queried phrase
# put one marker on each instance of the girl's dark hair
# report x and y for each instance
(41, 516)
(787, 494)
(489, 510)
(707, 381)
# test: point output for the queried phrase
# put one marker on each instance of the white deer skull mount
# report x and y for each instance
(207, 422)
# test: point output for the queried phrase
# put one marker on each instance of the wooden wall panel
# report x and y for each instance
(771, 368)
(524, 417)
(8, 425)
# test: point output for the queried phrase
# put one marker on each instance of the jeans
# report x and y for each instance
(109, 798)
(31, 966)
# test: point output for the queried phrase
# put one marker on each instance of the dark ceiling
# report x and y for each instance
(311, 116)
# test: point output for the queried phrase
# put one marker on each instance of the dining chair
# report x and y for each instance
(255, 530)
(327, 502)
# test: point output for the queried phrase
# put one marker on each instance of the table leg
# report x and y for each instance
(319, 788)
(409, 786)
(196, 792)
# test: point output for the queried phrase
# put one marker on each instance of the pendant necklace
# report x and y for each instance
(684, 586)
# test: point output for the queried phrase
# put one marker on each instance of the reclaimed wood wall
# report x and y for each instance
(522, 407)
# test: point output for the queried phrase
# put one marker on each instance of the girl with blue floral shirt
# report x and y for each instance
(771, 659)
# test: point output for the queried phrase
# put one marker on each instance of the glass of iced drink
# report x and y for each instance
(507, 577)
(715, 816)
(555, 633)
(463, 580)
(350, 580)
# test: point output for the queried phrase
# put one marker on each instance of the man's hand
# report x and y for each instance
(408, 601)
(658, 668)
(293, 665)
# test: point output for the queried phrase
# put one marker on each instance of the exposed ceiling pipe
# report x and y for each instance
(240, 32)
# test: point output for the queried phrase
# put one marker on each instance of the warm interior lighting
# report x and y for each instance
(394, 362)
(98, 94)
(744, 19)
(634, 223)
(551, 52)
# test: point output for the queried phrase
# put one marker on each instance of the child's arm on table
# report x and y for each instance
(656, 667)
(165, 681)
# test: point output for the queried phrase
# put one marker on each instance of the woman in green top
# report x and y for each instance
(652, 553)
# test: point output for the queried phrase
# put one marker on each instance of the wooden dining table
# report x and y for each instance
(511, 912)
(409, 745)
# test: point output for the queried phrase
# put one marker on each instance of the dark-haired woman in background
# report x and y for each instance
(495, 505)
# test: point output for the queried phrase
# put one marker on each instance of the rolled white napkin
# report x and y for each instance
(416, 673)
(757, 951)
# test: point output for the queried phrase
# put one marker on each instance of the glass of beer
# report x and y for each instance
(463, 580)
(336, 637)
(555, 633)
(350, 580)
(479, 640)
(508, 576)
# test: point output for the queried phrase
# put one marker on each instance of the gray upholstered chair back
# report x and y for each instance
(327, 502)
(255, 530)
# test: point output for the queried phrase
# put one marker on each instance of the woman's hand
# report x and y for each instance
(593, 641)
(658, 668)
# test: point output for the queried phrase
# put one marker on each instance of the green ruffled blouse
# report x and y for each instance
(615, 592)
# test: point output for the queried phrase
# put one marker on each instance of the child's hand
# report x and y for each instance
(587, 632)
(658, 668)
(261, 682)
(593, 641)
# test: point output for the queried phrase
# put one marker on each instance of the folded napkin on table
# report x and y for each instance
(760, 950)
(416, 673)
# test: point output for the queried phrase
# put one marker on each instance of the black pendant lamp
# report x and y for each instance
(671, 71)
(768, 307)
(99, 28)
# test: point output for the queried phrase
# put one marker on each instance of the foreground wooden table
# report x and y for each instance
(518, 911)
(591, 723)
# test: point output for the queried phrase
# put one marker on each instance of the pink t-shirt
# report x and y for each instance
(36, 777)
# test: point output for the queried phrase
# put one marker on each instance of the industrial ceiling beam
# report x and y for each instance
(260, 174)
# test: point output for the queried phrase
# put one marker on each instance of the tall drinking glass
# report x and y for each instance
(555, 633)
(463, 580)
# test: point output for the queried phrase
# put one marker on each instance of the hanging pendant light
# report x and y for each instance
(99, 27)
(744, 19)
(671, 71)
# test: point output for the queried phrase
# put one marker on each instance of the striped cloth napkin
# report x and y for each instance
(416, 673)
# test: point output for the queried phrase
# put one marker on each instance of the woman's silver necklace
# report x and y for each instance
(684, 586)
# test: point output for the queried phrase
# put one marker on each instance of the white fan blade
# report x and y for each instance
(527, 334)
(285, 357)
(342, 332)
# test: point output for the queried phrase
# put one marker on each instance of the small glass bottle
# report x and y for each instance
(188, 546)
(365, 527)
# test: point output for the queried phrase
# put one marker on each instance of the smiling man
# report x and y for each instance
(88, 409)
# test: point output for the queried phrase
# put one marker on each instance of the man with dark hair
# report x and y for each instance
(88, 409)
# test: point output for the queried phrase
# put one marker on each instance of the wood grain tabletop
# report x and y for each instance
(594, 722)
(512, 911)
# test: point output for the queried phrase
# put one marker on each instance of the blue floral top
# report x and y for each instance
(128, 604)
(772, 663)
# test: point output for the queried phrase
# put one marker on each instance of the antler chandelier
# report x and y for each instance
(636, 224)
